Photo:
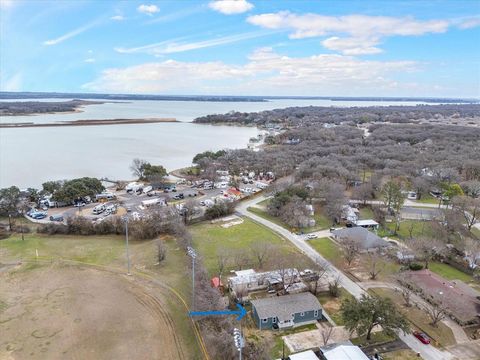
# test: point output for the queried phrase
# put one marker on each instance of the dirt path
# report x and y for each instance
(67, 312)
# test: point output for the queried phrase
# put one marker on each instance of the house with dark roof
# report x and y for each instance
(279, 312)
(364, 239)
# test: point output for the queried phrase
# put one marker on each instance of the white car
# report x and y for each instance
(311, 236)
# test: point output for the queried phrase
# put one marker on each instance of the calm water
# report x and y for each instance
(31, 156)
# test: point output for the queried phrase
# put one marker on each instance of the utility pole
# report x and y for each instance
(192, 253)
(126, 245)
(239, 341)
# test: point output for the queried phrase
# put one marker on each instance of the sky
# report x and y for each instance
(242, 47)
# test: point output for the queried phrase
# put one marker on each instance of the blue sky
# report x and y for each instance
(240, 47)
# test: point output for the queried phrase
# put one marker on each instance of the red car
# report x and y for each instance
(422, 337)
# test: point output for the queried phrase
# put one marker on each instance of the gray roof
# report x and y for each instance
(364, 238)
(283, 307)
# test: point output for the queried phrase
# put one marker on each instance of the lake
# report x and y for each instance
(31, 156)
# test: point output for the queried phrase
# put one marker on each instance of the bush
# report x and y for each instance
(415, 266)
(219, 210)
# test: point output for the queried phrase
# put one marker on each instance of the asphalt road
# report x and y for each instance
(427, 352)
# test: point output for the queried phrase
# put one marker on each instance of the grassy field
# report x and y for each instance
(110, 251)
(327, 248)
(420, 228)
(376, 338)
(475, 231)
(449, 272)
(427, 199)
(209, 239)
(441, 334)
(321, 221)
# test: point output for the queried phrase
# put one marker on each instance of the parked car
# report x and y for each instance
(56, 218)
(311, 236)
(38, 215)
(422, 337)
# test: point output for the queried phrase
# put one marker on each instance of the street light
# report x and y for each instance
(126, 244)
(239, 341)
(192, 253)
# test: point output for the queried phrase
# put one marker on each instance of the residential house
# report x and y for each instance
(367, 224)
(247, 281)
(304, 355)
(364, 239)
(279, 312)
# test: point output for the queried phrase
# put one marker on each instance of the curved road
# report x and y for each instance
(427, 352)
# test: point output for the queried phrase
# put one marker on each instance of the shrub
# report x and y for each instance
(415, 266)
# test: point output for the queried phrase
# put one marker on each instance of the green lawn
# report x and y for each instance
(427, 199)
(376, 338)
(209, 239)
(327, 248)
(366, 213)
(322, 222)
(449, 272)
(420, 228)
(99, 250)
(441, 334)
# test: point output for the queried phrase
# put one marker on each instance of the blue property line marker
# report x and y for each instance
(241, 312)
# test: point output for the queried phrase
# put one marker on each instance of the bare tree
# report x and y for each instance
(321, 269)
(376, 265)
(426, 249)
(364, 192)
(326, 334)
(436, 312)
(407, 296)
(335, 199)
(469, 209)
(161, 251)
(240, 259)
(471, 250)
(261, 250)
(222, 260)
(138, 168)
(350, 249)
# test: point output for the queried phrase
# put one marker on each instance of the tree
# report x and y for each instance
(365, 314)
(421, 186)
(154, 173)
(335, 199)
(70, 190)
(350, 249)
(10, 199)
(426, 249)
(393, 199)
(452, 190)
(161, 251)
(376, 265)
(471, 250)
(334, 288)
(364, 192)
(407, 296)
(261, 250)
(436, 312)
(138, 168)
(469, 209)
(222, 260)
(326, 334)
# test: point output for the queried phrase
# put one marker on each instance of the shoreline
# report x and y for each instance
(92, 122)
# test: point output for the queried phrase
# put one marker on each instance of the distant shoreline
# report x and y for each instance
(90, 123)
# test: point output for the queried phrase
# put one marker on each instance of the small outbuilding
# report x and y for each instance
(342, 351)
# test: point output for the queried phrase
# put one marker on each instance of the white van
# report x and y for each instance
(147, 189)
(98, 209)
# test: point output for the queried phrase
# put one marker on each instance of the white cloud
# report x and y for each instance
(117, 18)
(229, 7)
(469, 23)
(363, 31)
(265, 72)
(6, 3)
(177, 45)
(352, 46)
(71, 34)
(89, 60)
(148, 9)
